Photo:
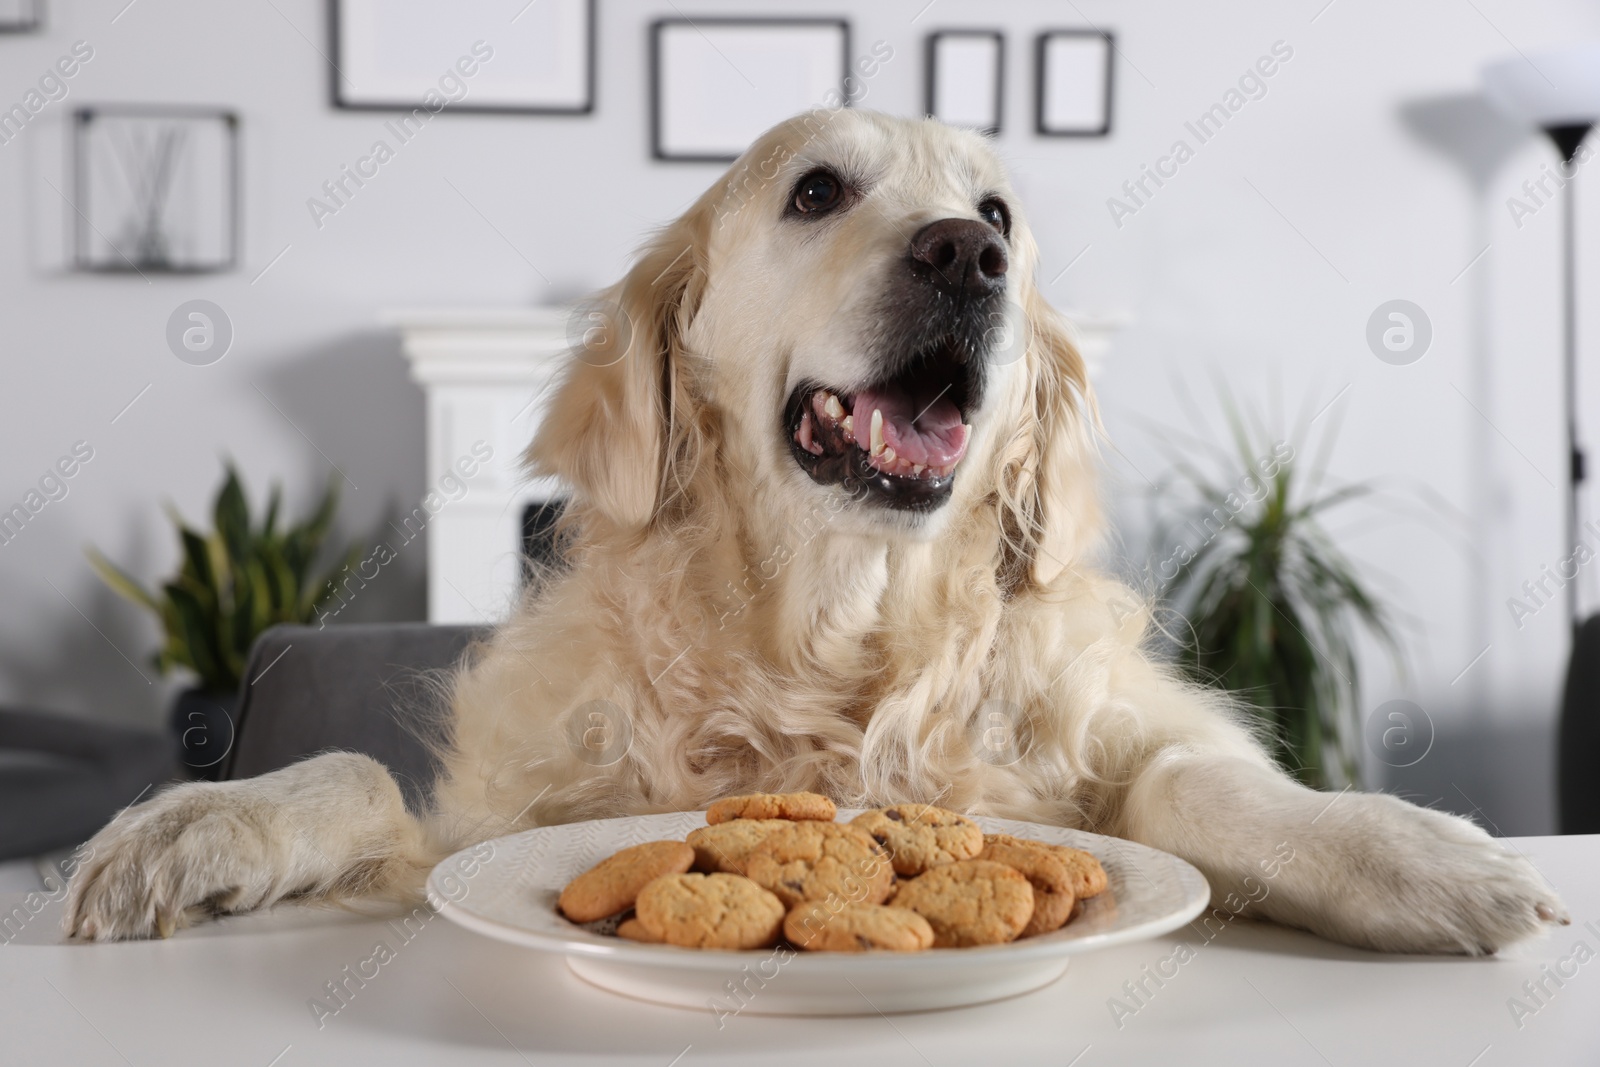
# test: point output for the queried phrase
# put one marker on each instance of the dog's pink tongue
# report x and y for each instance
(924, 429)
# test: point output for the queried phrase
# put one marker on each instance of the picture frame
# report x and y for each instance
(402, 55)
(965, 78)
(155, 189)
(21, 16)
(706, 109)
(1073, 82)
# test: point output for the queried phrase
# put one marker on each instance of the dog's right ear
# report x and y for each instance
(605, 432)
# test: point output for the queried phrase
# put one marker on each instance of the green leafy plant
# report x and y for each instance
(234, 582)
(1273, 606)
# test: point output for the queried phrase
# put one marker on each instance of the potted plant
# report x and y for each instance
(233, 583)
(1273, 607)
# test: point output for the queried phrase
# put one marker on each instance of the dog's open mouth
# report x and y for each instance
(898, 440)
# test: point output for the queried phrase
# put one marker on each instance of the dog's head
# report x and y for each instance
(848, 317)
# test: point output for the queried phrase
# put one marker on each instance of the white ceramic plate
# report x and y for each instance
(511, 895)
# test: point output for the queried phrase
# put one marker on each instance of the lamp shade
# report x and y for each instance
(1558, 87)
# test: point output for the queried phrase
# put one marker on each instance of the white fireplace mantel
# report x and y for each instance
(487, 373)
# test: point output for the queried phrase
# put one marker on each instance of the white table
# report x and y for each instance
(237, 993)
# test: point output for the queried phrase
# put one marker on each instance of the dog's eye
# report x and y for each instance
(817, 192)
(996, 214)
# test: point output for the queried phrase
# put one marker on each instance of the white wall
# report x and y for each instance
(1361, 176)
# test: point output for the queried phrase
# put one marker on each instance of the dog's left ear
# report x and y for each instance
(606, 431)
(1050, 502)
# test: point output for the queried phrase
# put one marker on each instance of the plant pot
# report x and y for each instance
(202, 725)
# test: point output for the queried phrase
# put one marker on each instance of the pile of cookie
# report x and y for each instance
(771, 866)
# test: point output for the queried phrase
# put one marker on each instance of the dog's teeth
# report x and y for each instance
(917, 469)
(803, 436)
(848, 424)
(832, 406)
(877, 432)
(887, 455)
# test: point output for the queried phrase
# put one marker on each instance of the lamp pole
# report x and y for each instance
(1560, 94)
(1567, 139)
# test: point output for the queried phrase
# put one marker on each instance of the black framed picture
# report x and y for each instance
(21, 16)
(528, 57)
(155, 189)
(966, 78)
(1072, 82)
(717, 83)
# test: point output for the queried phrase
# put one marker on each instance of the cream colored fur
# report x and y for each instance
(753, 630)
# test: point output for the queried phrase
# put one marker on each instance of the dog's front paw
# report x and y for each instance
(1410, 879)
(192, 851)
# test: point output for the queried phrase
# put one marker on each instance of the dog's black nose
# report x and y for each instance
(964, 256)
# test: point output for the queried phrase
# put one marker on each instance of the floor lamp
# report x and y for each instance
(1559, 92)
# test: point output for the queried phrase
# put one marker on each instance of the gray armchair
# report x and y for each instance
(359, 687)
(62, 777)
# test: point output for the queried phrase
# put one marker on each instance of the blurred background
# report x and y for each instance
(390, 337)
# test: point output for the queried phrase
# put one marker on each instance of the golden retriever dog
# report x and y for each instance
(833, 527)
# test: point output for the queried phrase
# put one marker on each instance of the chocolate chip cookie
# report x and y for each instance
(771, 806)
(970, 902)
(726, 846)
(710, 911)
(1051, 880)
(819, 861)
(1088, 876)
(612, 885)
(921, 836)
(634, 930)
(817, 927)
